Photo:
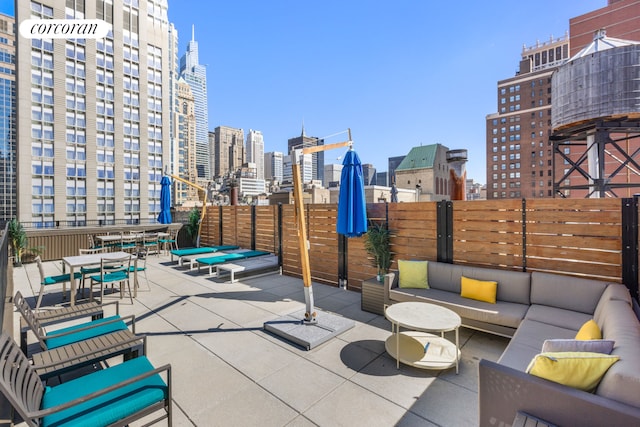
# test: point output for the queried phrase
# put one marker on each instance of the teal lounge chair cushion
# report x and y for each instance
(192, 251)
(219, 259)
(251, 254)
(62, 278)
(96, 330)
(226, 247)
(110, 407)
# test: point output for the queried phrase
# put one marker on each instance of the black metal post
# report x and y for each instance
(444, 231)
(343, 270)
(630, 245)
(280, 235)
(220, 225)
(253, 227)
(524, 235)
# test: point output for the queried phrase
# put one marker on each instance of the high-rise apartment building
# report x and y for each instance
(229, 150)
(186, 143)
(255, 151)
(195, 74)
(8, 187)
(306, 166)
(620, 18)
(332, 175)
(317, 159)
(368, 174)
(93, 115)
(273, 166)
(519, 152)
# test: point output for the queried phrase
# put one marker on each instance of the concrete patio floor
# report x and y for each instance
(227, 371)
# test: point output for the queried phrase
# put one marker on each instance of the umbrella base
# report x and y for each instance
(308, 335)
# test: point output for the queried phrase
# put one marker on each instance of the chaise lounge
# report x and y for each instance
(187, 253)
(216, 260)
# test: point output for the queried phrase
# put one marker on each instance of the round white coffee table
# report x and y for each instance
(418, 346)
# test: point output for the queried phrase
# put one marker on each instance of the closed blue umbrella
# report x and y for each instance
(352, 207)
(165, 201)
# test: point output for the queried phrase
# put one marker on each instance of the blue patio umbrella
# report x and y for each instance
(352, 207)
(165, 201)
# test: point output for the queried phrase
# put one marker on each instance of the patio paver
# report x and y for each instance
(228, 371)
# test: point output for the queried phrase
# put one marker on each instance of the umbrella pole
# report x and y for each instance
(310, 314)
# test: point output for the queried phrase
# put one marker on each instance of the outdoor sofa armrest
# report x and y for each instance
(504, 391)
(389, 280)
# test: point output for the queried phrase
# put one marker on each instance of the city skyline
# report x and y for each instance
(398, 75)
(267, 78)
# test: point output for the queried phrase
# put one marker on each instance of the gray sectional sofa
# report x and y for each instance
(531, 308)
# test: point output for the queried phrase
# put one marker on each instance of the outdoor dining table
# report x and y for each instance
(86, 260)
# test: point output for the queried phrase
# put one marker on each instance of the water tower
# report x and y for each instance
(596, 120)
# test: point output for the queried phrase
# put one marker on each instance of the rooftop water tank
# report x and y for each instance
(601, 81)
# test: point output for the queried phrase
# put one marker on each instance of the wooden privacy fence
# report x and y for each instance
(595, 238)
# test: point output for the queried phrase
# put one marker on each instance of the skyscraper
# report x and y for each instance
(519, 152)
(186, 142)
(255, 151)
(273, 166)
(93, 118)
(229, 150)
(8, 187)
(317, 159)
(195, 74)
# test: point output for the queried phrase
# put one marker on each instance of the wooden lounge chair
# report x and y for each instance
(188, 253)
(56, 361)
(117, 395)
(75, 333)
(90, 309)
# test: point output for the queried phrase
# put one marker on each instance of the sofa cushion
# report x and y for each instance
(481, 290)
(582, 370)
(501, 313)
(566, 319)
(513, 286)
(571, 293)
(593, 346)
(412, 274)
(528, 341)
(614, 291)
(445, 276)
(589, 331)
(622, 381)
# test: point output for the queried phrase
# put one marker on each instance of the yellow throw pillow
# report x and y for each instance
(589, 331)
(413, 274)
(582, 370)
(481, 290)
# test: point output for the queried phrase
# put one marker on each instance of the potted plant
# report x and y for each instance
(377, 245)
(19, 241)
(193, 225)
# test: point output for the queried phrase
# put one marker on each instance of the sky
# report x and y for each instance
(398, 73)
